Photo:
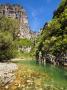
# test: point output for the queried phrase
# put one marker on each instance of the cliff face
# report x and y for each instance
(17, 12)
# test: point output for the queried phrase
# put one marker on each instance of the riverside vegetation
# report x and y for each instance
(49, 47)
(52, 41)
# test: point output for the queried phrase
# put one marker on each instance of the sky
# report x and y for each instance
(38, 11)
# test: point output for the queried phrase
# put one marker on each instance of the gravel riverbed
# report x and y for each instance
(7, 73)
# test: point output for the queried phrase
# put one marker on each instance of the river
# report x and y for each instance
(58, 75)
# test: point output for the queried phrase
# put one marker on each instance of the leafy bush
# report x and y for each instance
(8, 36)
(24, 42)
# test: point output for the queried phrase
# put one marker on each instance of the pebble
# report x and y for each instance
(6, 87)
(19, 85)
(6, 75)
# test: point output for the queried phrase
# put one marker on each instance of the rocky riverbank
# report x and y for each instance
(7, 73)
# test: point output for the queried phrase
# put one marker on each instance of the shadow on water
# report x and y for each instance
(58, 74)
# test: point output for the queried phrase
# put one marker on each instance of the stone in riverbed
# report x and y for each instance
(29, 81)
(6, 75)
(6, 87)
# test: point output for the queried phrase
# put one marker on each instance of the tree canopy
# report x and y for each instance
(8, 34)
(53, 37)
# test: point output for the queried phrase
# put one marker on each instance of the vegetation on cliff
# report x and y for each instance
(53, 37)
(10, 43)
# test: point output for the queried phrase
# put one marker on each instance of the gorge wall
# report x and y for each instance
(17, 12)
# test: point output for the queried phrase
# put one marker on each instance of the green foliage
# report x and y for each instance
(10, 25)
(24, 42)
(8, 35)
(60, 9)
(53, 38)
(23, 45)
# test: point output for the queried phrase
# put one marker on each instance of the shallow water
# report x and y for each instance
(58, 75)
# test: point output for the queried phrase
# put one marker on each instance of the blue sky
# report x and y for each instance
(38, 11)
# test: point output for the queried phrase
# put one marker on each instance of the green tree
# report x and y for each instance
(8, 35)
(53, 37)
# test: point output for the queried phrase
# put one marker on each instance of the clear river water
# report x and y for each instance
(58, 74)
